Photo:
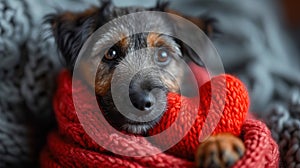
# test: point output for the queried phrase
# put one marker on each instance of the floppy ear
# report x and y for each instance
(71, 30)
(185, 49)
(190, 53)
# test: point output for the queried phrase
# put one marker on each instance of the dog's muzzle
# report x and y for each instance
(140, 98)
(145, 91)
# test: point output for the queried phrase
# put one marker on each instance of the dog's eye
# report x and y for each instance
(162, 56)
(112, 53)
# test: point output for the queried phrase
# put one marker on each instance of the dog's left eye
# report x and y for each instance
(112, 53)
(162, 56)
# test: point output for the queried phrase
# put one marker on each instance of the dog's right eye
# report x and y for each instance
(111, 54)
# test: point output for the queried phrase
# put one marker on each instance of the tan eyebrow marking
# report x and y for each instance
(154, 40)
(124, 42)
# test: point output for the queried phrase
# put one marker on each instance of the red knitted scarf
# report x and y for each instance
(71, 146)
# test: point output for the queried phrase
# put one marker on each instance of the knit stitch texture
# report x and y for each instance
(262, 56)
(70, 146)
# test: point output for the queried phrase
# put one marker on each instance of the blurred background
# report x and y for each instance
(259, 41)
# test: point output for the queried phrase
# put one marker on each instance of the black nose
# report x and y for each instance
(142, 99)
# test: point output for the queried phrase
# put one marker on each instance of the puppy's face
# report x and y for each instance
(150, 61)
(153, 62)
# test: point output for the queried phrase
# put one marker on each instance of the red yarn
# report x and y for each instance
(70, 146)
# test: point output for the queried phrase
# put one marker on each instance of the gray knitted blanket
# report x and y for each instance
(250, 38)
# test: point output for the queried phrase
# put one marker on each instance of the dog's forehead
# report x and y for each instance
(125, 22)
(142, 18)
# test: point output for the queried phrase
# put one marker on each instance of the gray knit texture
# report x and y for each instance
(29, 63)
(251, 40)
(284, 121)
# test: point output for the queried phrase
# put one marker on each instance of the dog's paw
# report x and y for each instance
(219, 151)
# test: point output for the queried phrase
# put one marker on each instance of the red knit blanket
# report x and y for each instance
(71, 146)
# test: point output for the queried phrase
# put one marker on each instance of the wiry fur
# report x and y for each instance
(71, 30)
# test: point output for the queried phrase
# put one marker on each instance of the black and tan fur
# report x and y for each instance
(71, 30)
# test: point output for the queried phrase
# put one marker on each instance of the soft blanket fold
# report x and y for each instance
(71, 146)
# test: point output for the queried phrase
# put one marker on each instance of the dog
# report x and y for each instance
(71, 30)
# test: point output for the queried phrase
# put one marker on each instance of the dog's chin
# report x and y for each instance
(136, 128)
(120, 122)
